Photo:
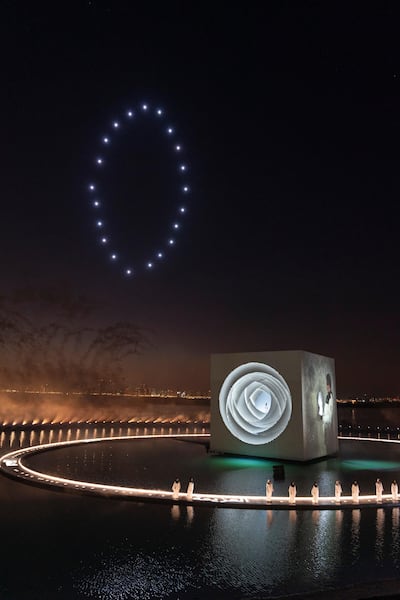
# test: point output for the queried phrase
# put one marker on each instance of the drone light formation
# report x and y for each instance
(107, 140)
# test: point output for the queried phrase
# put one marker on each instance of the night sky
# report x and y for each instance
(289, 114)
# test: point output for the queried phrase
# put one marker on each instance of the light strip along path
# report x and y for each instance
(12, 465)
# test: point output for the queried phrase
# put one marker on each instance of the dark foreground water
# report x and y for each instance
(64, 546)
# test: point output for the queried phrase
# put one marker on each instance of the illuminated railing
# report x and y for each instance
(14, 437)
(369, 431)
(12, 464)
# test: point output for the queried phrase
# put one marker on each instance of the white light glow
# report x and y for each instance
(143, 110)
(255, 403)
(14, 463)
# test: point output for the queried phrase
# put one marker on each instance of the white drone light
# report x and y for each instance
(105, 139)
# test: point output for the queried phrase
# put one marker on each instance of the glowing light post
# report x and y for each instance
(100, 162)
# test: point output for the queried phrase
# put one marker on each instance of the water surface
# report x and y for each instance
(60, 545)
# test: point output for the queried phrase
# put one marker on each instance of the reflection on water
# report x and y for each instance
(380, 533)
(134, 576)
(129, 550)
(175, 512)
(189, 514)
(270, 517)
(178, 512)
(242, 553)
(313, 547)
(292, 517)
(355, 534)
(395, 549)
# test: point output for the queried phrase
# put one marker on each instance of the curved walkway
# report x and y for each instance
(12, 465)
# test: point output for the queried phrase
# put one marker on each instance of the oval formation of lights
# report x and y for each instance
(12, 465)
(105, 236)
(255, 403)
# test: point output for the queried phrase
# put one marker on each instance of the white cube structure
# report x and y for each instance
(278, 405)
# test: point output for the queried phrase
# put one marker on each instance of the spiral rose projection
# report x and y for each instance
(255, 403)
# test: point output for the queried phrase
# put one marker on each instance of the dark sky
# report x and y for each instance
(289, 112)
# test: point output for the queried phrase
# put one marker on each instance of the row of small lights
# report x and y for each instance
(133, 421)
(369, 427)
(14, 460)
(182, 168)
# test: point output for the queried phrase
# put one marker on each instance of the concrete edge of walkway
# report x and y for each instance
(12, 465)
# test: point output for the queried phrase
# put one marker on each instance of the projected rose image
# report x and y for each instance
(255, 403)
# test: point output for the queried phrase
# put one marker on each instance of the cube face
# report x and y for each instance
(319, 405)
(273, 405)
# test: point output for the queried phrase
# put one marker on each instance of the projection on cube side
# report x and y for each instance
(255, 403)
(274, 404)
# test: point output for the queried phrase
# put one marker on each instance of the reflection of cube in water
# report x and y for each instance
(274, 405)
